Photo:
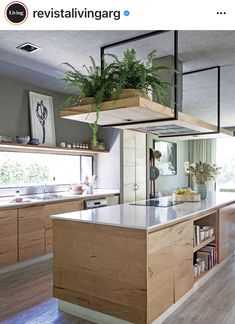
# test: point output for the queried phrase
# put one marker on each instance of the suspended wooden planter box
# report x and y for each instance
(124, 113)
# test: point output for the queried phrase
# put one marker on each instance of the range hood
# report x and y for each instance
(146, 116)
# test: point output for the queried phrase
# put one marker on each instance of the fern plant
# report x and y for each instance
(94, 83)
(130, 73)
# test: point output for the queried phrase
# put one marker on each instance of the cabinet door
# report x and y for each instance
(170, 266)
(58, 208)
(128, 166)
(140, 166)
(160, 280)
(8, 237)
(134, 166)
(183, 258)
(31, 232)
(112, 200)
(226, 231)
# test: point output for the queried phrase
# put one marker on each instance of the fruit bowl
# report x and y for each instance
(186, 195)
(22, 139)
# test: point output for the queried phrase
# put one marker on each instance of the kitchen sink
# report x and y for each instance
(47, 197)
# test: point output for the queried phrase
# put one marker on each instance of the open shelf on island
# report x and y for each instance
(14, 147)
(203, 243)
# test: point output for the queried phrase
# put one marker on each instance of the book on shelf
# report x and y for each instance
(208, 253)
(196, 235)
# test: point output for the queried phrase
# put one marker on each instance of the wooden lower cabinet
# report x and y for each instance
(101, 267)
(58, 208)
(226, 231)
(170, 266)
(135, 277)
(183, 259)
(160, 279)
(8, 238)
(31, 232)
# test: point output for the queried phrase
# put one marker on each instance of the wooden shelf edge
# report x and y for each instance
(13, 147)
(204, 243)
(139, 105)
(118, 104)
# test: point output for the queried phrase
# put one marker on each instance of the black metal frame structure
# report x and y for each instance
(176, 97)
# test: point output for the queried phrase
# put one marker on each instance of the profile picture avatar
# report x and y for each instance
(16, 12)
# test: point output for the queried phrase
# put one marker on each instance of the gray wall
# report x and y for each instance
(108, 165)
(178, 180)
(15, 118)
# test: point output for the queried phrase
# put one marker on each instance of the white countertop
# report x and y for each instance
(9, 201)
(142, 217)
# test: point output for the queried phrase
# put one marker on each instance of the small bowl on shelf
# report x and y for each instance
(22, 139)
(34, 141)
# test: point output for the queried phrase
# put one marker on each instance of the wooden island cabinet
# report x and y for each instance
(52, 209)
(135, 263)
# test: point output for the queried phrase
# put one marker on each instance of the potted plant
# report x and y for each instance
(132, 77)
(97, 85)
(202, 173)
(92, 87)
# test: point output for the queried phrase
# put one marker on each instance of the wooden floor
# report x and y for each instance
(26, 298)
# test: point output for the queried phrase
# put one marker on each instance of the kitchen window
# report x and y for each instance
(33, 168)
(225, 158)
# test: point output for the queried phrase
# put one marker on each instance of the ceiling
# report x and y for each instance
(197, 49)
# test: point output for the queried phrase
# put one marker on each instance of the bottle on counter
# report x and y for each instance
(17, 196)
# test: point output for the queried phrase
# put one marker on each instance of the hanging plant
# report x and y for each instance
(131, 74)
(95, 84)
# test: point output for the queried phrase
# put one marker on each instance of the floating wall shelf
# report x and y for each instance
(46, 149)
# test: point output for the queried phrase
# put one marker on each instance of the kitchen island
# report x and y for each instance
(132, 263)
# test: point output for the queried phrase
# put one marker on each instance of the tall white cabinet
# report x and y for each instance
(134, 167)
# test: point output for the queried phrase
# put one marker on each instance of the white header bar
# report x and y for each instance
(117, 15)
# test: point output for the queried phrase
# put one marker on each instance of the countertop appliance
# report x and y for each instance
(157, 203)
(95, 203)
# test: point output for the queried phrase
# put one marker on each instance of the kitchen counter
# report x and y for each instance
(8, 202)
(148, 218)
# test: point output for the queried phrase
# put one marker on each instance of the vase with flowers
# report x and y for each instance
(202, 173)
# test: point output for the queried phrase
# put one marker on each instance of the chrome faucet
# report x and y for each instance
(44, 189)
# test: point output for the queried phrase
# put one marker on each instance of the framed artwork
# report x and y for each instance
(42, 118)
(167, 164)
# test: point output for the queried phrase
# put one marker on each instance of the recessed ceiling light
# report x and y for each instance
(28, 47)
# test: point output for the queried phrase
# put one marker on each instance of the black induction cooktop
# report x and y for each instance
(157, 203)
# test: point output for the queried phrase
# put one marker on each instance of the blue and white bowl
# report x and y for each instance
(34, 141)
(22, 139)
